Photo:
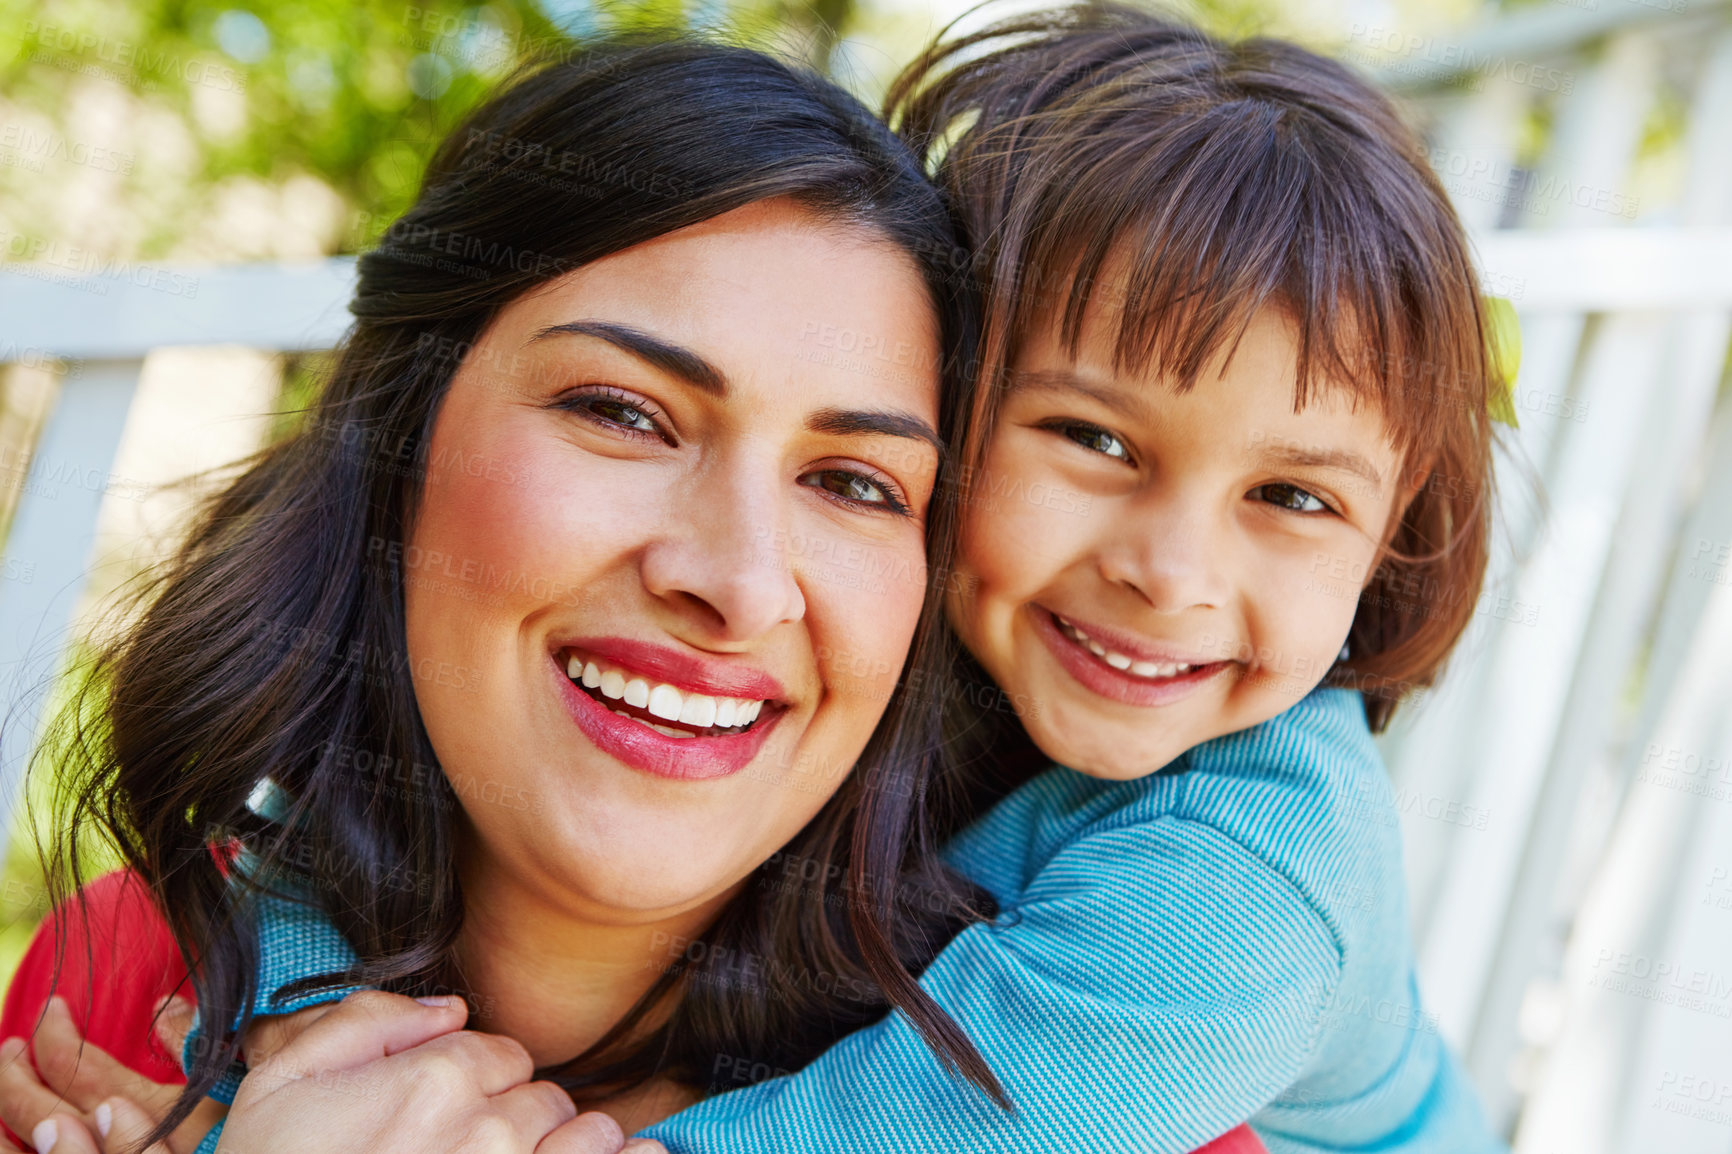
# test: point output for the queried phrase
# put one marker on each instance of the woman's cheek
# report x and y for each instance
(863, 613)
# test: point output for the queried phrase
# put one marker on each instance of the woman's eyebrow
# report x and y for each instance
(670, 358)
(880, 422)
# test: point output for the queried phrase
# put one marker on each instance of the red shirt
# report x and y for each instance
(130, 949)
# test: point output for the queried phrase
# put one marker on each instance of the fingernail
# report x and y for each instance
(104, 1118)
(437, 1001)
(46, 1134)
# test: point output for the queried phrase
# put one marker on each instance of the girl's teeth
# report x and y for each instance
(724, 712)
(637, 692)
(613, 684)
(1119, 660)
(591, 675)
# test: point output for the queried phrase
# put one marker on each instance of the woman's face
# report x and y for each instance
(670, 554)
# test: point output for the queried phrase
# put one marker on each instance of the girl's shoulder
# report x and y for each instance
(110, 953)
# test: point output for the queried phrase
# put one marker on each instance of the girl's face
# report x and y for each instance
(670, 556)
(1143, 570)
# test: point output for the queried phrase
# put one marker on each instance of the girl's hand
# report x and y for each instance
(76, 1077)
(388, 1074)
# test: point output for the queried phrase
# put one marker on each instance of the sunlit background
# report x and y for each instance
(180, 182)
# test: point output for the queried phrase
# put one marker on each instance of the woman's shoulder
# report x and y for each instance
(110, 953)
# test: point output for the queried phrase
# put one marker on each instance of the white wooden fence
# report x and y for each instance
(1566, 796)
(1575, 938)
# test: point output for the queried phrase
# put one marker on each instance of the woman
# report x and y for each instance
(581, 520)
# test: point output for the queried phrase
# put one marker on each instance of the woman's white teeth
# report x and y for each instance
(665, 701)
(1119, 660)
(698, 710)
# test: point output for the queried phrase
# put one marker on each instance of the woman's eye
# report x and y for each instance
(621, 413)
(1289, 497)
(853, 487)
(1096, 438)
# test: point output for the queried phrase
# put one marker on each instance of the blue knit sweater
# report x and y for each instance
(1225, 940)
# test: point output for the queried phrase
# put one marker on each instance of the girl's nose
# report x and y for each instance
(1169, 552)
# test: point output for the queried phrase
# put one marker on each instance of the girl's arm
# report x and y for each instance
(1156, 985)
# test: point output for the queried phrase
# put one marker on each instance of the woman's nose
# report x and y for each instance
(713, 559)
(1170, 553)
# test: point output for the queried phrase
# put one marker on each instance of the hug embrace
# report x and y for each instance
(786, 632)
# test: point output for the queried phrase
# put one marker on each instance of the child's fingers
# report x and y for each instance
(269, 1034)
(364, 1027)
(122, 1126)
(174, 1018)
(591, 1133)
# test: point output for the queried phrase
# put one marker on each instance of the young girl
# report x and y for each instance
(1233, 466)
(1227, 504)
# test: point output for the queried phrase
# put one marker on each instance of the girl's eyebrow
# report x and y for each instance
(1301, 457)
(1127, 401)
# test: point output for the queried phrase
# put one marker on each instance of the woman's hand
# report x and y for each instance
(387, 1074)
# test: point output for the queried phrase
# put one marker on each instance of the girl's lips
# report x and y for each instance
(642, 748)
(1099, 677)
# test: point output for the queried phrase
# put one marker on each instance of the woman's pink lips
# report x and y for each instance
(1111, 683)
(642, 748)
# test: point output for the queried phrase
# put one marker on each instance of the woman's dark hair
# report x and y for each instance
(1230, 175)
(273, 641)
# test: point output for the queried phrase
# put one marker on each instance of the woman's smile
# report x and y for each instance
(665, 712)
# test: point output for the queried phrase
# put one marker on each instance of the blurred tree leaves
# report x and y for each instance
(203, 107)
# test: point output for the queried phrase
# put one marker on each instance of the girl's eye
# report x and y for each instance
(1289, 497)
(1096, 438)
(854, 488)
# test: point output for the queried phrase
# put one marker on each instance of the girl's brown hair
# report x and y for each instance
(1228, 177)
